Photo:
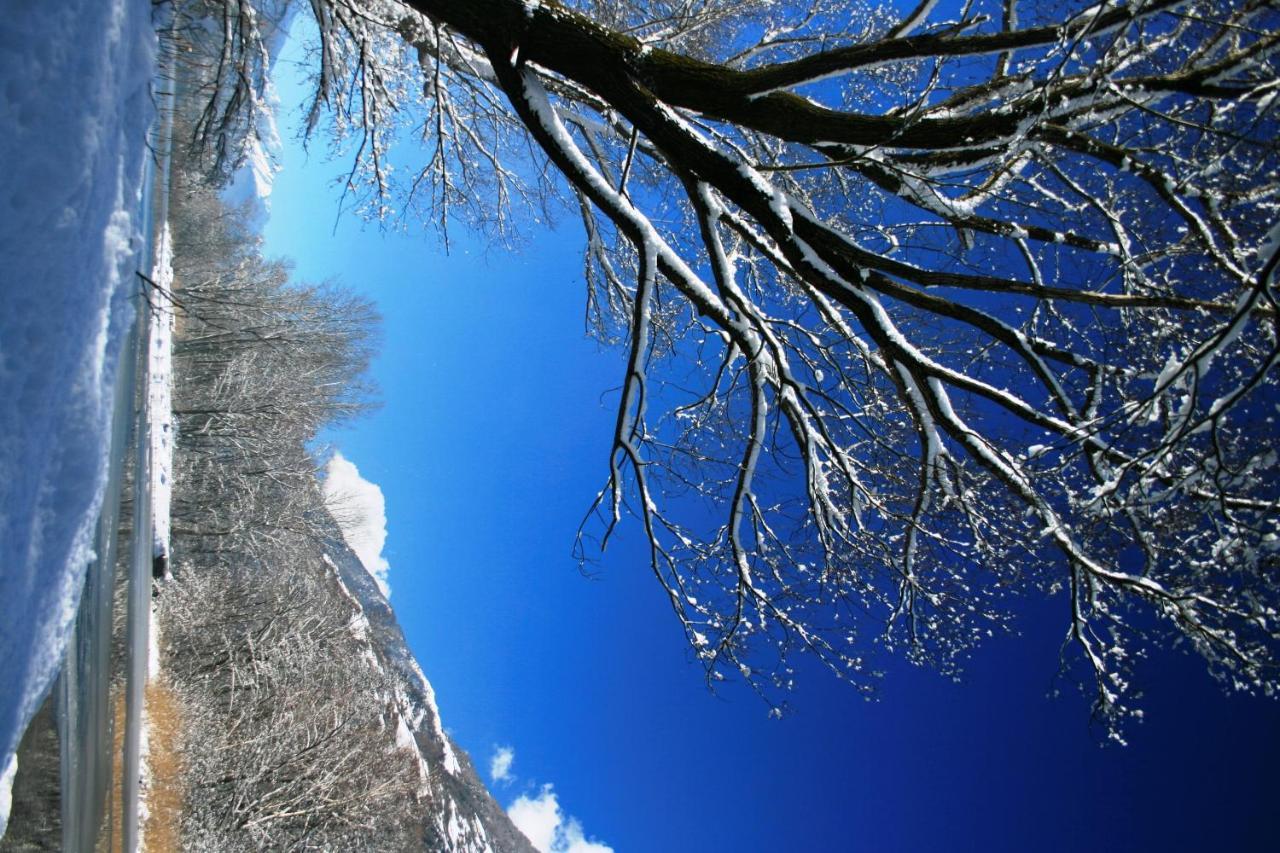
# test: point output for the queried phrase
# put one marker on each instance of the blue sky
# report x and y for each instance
(490, 444)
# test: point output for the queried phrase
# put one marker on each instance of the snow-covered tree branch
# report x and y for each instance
(922, 312)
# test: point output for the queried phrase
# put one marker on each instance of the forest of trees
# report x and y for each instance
(286, 737)
(939, 307)
(264, 364)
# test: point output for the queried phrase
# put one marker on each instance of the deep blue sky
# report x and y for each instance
(491, 442)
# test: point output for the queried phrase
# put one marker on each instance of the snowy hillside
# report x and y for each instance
(463, 817)
(306, 717)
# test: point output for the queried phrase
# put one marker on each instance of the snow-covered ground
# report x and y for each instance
(160, 391)
(75, 107)
(161, 432)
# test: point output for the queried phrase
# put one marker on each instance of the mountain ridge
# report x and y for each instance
(465, 817)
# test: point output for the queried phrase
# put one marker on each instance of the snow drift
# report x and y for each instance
(76, 107)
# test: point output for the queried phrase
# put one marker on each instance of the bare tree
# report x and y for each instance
(291, 739)
(935, 311)
(287, 744)
(262, 366)
(222, 49)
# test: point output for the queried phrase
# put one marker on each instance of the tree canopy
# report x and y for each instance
(922, 312)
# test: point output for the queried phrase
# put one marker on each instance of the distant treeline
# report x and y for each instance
(262, 365)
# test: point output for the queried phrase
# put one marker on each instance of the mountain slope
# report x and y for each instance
(463, 816)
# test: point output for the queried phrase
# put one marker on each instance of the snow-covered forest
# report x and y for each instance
(303, 720)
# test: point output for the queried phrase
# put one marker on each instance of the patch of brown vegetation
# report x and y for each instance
(162, 831)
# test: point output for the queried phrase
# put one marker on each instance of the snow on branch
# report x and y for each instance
(928, 313)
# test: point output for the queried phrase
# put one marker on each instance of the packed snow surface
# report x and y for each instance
(74, 110)
(160, 391)
(6, 788)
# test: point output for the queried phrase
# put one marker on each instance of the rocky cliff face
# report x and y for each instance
(459, 814)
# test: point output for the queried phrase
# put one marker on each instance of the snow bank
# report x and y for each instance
(75, 107)
(6, 789)
(160, 371)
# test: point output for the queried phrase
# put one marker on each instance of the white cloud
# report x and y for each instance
(576, 842)
(500, 763)
(550, 829)
(537, 818)
(361, 512)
